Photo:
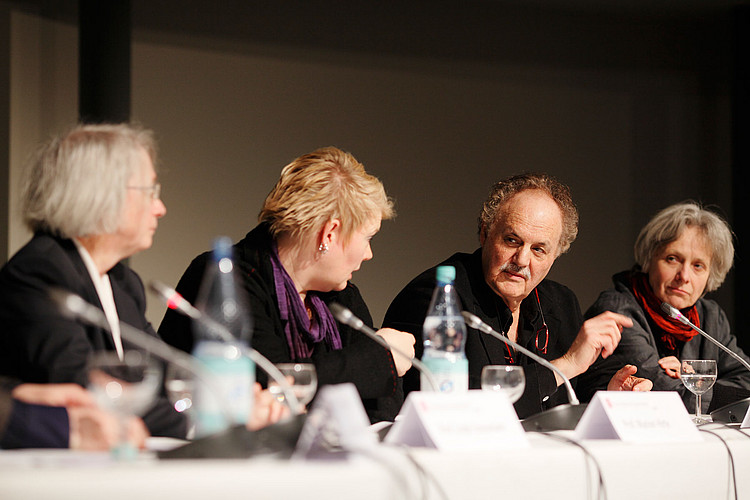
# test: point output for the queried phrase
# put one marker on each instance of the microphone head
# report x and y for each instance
(669, 310)
(74, 307)
(69, 304)
(472, 320)
(161, 289)
(674, 313)
(173, 299)
(341, 313)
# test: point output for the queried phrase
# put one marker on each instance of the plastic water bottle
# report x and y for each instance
(229, 388)
(444, 334)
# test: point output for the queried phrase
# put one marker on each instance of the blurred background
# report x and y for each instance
(635, 105)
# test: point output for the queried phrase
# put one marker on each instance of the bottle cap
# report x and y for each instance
(446, 274)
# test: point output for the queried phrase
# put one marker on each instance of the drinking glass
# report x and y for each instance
(302, 378)
(698, 375)
(508, 379)
(126, 387)
(180, 383)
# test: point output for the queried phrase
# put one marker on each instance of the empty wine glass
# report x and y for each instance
(508, 379)
(302, 378)
(126, 387)
(698, 375)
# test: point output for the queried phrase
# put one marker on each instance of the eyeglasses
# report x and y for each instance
(543, 330)
(154, 191)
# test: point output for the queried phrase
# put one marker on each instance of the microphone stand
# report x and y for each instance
(346, 317)
(178, 303)
(74, 306)
(236, 441)
(733, 412)
(675, 313)
(560, 417)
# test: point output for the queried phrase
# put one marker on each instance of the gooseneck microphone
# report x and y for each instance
(560, 417)
(74, 307)
(219, 332)
(675, 313)
(346, 317)
(474, 322)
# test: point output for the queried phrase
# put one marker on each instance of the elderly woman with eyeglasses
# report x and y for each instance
(91, 199)
(314, 232)
(684, 252)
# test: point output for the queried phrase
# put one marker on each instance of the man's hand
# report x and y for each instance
(598, 335)
(54, 395)
(402, 341)
(624, 380)
(90, 427)
(671, 366)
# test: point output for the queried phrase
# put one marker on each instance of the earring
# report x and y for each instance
(323, 247)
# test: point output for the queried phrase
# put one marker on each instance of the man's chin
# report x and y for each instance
(511, 289)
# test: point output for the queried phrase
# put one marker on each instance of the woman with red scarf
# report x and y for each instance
(684, 252)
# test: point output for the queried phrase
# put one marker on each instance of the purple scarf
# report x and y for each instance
(301, 332)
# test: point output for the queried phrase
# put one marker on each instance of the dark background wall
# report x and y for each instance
(632, 106)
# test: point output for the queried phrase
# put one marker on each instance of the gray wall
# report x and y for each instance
(627, 113)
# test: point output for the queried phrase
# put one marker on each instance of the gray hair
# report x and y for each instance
(666, 226)
(505, 189)
(76, 184)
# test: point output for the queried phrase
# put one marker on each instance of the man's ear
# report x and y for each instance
(482, 234)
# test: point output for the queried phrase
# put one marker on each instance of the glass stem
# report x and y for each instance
(698, 407)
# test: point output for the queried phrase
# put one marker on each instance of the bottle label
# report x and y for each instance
(451, 374)
(227, 390)
(445, 333)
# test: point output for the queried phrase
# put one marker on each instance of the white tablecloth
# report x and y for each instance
(547, 469)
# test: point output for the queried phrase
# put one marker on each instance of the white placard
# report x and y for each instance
(473, 420)
(637, 417)
(337, 421)
(746, 421)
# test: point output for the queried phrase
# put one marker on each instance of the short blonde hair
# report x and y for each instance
(321, 186)
(667, 225)
(76, 184)
(504, 190)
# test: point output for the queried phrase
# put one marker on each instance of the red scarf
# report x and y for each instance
(672, 329)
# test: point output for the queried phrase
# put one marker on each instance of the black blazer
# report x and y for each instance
(361, 361)
(39, 344)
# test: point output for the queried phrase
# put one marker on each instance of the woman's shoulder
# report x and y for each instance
(43, 257)
(619, 298)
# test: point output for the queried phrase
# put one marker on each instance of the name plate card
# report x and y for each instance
(336, 422)
(473, 420)
(637, 417)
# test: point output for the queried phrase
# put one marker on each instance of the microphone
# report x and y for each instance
(74, 307)
(234, 442)
(345, 316)
(474, 322)
(675, 313)
(556, 418)
(733, 412)
(177, 302)
(219, 332)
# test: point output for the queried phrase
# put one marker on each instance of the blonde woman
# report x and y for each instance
(314, 232)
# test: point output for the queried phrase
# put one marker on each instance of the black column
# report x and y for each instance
(740, 166)
(5, 12)
(104, 61)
